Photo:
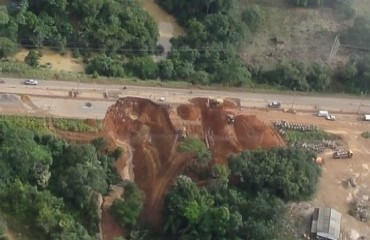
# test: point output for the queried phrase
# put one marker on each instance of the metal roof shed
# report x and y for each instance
(326, 224)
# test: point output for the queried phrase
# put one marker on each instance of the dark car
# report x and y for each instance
(274, 104)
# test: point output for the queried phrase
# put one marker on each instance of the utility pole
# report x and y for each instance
(295, 95)
(362, 100)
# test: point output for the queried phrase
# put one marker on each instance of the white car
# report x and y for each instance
(274, 104)
(162, 99)
(330, 117)
(31, 82)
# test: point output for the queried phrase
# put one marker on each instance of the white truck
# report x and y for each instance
(323, 114)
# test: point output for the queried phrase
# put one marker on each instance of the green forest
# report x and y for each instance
(117, 38)
(52, 186)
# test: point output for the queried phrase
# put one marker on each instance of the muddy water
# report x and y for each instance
(167, 25)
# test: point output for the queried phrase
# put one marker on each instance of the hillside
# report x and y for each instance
(298, 34)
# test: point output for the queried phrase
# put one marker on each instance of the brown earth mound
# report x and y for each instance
(247, 132)
(188, 112)
(148, 129)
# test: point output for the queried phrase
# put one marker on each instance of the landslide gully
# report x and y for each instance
(151, 130)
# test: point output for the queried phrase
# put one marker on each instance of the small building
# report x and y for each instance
(326, 224)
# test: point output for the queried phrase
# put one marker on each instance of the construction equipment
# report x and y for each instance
(343, 154)
(230, 118)
(215, 102)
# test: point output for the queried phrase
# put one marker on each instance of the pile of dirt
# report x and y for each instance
(150, 132)
(223, 138)
(188, 112)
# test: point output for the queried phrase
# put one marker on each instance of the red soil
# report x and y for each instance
(188, 112)
(151, 131)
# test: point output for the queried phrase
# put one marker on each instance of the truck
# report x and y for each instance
(323, 113)
(367, 117)
(343, 154)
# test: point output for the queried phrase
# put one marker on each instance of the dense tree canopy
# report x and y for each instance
(355, 75)
(290, 174)
(249, 207)
(107, 25)
(208, 50)
(49, 185)
(298, 76)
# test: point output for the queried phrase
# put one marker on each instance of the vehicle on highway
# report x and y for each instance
(330, 117)
(323, 113)
(274, 104)
(30, 82)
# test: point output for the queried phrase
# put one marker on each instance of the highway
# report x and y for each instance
(94, 92)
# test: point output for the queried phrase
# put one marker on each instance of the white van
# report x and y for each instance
(323, 114)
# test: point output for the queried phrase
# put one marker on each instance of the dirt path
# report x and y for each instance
(125, 162)
(155, 200)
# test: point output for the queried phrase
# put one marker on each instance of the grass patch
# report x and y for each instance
(22, 70)
(32, 123)
(72, 125)
(365, 134)
(292, 136)
(40, 124)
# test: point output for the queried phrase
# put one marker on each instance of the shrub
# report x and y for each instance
(365, 134)
(7, 47)
(105, 66)
(143, 67)
(253, 17)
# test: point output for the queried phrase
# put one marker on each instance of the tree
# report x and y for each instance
(165, 69)
(143, 67)
(287, 173)
(7, 47)
(318, 76)
(196, 146)
(41, 211)
(233, 74)
(33, 58)
(253, 17)
(127, 210)
(22, 157)
(105, 66)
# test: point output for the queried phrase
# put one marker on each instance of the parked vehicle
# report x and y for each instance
(366, 117)
(343, 154)
(31, 82)
(331, 118)
(323, 114)
(162, 99)
(274, 104)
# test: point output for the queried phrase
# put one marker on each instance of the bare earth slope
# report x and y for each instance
(152, 134)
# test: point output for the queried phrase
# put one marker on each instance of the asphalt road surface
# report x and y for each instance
(299, 101)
